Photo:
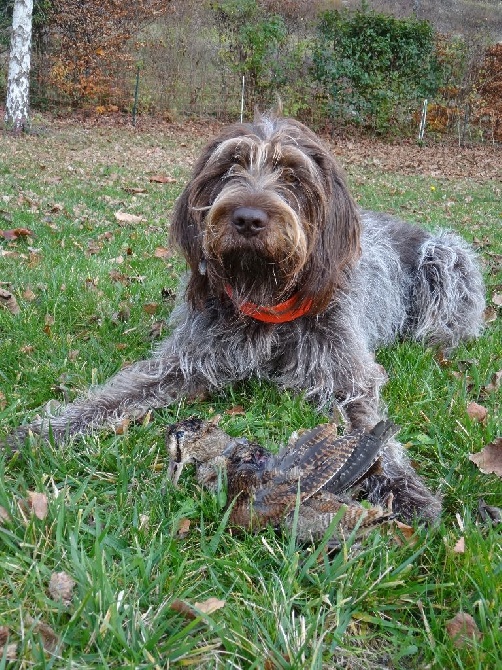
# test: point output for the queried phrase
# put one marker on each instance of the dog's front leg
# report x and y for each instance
(129, 394)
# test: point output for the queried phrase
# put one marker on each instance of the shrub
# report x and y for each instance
(374, 68)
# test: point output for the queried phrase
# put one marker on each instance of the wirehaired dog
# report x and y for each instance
(291, 283)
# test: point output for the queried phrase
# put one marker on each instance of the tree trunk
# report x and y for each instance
(17, 106)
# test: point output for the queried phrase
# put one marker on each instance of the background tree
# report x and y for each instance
(17, 106)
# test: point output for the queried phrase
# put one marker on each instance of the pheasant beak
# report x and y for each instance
(174, 471)
(176, 457)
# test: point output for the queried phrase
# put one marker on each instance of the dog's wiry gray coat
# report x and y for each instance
(369, 279)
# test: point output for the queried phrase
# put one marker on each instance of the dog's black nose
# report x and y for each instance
(249, 221)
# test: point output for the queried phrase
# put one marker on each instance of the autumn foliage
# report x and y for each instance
(88, 56)
(490, 90)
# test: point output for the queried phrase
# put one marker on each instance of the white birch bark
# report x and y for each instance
(17, 106)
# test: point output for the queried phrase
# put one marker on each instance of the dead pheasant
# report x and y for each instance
(316, 469)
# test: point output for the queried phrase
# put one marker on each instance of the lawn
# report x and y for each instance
(93, 280)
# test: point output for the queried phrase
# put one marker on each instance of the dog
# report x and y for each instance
(290, 282)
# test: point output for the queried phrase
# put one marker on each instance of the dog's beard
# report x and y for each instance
(252, 277)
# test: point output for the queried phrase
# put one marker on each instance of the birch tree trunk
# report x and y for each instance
(17, 106)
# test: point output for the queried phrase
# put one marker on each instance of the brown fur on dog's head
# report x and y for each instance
(280, 168)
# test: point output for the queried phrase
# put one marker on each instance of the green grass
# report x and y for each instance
(113, 517)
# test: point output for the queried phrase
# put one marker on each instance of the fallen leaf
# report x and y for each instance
(14, 233)
(27, 349)
(489, 512)
(150, 307)
(490, 314)
(61, 587)
(497, 299)
(135, 190)
(3, 401)
(124, 313)
(162, 252)
(183, 528)
(406, 532)
(121, 427)
(192, 612)
(117, 261)
(238, 410)
(38, 503)
(50, 640)
(9, 651)
(34, 259)
(489, 459)
(4, 515)
(93, 248)
(183, 608)
(162, 179)
(459, 547)
(476, 412)
(462, 629)
(210, 605)
(156, 330)
(49, 320)
(73, 354)
(8, 300)
(29, 295)
(126, 218)
(494, 383)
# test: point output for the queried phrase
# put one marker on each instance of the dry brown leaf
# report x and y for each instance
(237, 410)
(118, 260)
(489, 459)
(192, 612)
(156, 330)
(150, 307)
(489, 512)
(49, 320)
(495, 382)
(497, 299)
(61, 587)
(490, 314)
(4, 515)
(27, 349)
(10, 650)
(38, 503)
(162, 179)
(183, 528)
(14, 233)
(162, 252)
(210, 605)
(476, 411)
(462, 629)
(126, 218)
(29, 295)
(124, 313)
(459, 547)
(8, 300)
(49, 638)
(183, 608)
(406, 532)
(121, 428)
(3, 401)
(135, 190)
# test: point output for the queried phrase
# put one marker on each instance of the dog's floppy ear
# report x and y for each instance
(185, 232)
(336, 245)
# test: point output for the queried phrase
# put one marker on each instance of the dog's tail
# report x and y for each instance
(448, 295)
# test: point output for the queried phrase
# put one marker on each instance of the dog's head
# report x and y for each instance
(267, 214)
